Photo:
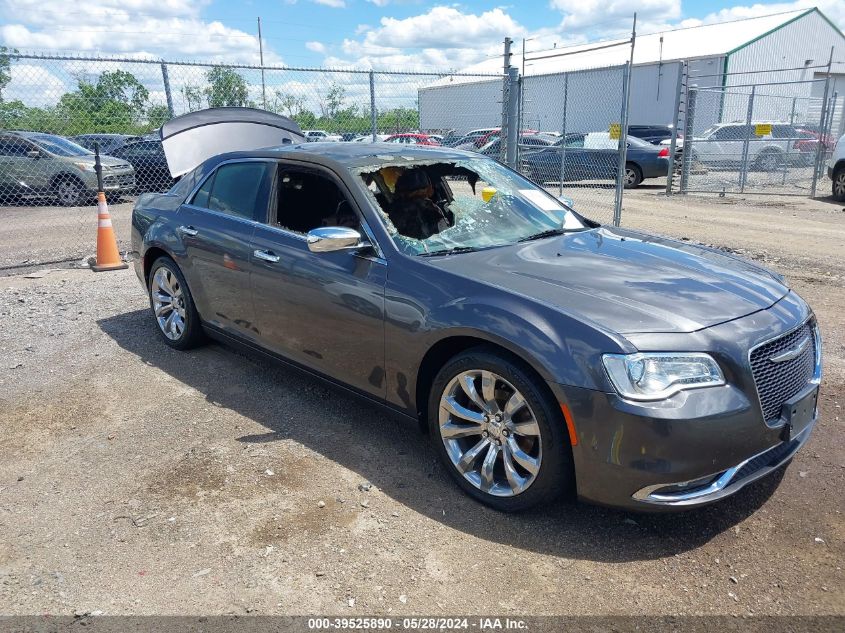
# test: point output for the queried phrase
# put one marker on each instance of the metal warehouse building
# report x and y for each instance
(580, 88)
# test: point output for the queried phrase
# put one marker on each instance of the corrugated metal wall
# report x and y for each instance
(461, 107)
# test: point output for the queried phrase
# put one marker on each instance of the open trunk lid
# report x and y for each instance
(192, 138)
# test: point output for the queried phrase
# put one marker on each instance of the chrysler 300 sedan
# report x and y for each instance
(543, 353)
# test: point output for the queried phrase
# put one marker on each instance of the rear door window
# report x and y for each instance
(237, 189)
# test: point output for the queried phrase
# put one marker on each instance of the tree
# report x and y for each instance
(193, 97)
(331, 103)
(114, 104)
(287, 104)
(157, 115)
(227, 88)
(5, 68)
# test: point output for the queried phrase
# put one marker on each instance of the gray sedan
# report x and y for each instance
(542, 353)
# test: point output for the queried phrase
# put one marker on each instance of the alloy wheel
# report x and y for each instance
(68, 192)
(839, 185)
(168, 303)
(490, 433)
(630, 176)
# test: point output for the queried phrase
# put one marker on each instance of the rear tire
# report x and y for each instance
(633, 175)
(838, 187)
(516, 457)
(176, 316)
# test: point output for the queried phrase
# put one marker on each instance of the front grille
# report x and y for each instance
(123, 180)
(778, 382)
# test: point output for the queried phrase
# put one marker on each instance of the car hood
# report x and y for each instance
(625, 281)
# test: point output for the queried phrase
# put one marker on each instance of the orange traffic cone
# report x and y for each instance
(108, 257)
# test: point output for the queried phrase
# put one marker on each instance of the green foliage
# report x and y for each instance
(117, 102)
(5, 68)
(157, 116)
(193, 96)
(226, 88)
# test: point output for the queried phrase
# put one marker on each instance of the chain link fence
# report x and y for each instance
(569, 138)
(53, 110)
(760, 138)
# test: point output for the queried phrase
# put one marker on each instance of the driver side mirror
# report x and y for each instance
(328, 239)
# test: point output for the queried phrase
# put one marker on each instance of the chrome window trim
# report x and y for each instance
(817, 369)
(379, 256)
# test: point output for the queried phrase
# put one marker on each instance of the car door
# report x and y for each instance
(324, 311)
(215, 228)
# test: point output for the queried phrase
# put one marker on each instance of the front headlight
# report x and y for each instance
(658, 375)
(85, 166)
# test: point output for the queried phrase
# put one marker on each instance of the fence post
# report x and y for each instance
(505, 99)
(689, 118)
(512, 128)
(623, 124)
(168, 95)
(673, 145)
(563, 134)
(622, 151)
(818, 162)
(373, 113)
(743, 170)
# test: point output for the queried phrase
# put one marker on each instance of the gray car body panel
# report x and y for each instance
(557, 303)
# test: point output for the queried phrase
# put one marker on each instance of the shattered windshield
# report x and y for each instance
(432, 207)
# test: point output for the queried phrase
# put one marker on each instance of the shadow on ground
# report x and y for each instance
(393, 455)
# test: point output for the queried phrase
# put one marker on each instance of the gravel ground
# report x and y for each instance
(140, 480)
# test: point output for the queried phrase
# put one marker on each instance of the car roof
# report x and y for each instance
(348, 154)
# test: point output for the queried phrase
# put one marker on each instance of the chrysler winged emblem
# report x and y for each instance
(789, 354)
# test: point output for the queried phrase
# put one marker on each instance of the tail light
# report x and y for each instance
(663, 153)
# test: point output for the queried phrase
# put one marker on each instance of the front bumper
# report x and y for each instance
(700, 445)
(113, 181)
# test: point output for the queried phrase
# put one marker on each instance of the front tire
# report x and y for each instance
(173, 307)
(69, 191)
(498, 434)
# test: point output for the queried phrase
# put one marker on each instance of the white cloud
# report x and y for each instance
(380, 3)
(335, 4)
(171, 28)
(317, 47)
(445, 27)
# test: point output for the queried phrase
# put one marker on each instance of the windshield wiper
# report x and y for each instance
(549, 233)
(450, 251)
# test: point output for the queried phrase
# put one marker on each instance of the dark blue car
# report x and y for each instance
(594, 156)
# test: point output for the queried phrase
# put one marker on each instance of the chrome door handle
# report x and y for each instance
(267, 256)
(188, 230)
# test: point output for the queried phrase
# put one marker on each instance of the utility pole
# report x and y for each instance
(261, 58)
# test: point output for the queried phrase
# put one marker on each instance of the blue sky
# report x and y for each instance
(389, 34)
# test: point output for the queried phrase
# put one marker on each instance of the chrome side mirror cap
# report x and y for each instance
(327, 239)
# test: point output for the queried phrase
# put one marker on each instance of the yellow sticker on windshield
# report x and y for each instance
(487, 193)
(763, 129)
(615, 131)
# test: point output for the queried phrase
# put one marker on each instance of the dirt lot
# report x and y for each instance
(136, 479)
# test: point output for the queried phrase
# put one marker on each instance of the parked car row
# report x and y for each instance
(36, 164)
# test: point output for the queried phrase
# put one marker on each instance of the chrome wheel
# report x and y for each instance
(168, 303)
(490, 433)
